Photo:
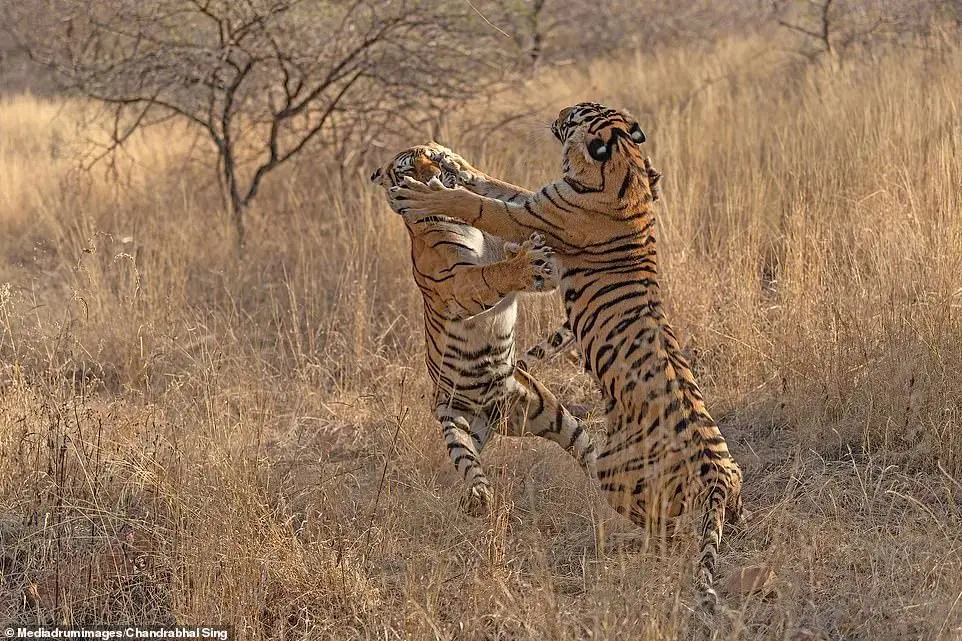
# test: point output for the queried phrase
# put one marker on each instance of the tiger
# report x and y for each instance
(664, 455)
(469, 283)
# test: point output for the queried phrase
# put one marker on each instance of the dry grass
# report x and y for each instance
(188, 437)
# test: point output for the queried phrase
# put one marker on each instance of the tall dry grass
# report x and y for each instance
(189, 437)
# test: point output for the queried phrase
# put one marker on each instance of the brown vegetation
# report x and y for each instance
(186, 436)
(262, 80)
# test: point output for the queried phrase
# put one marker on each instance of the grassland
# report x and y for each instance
(185, 436)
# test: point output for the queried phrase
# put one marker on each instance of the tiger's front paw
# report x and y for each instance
(451, 162)
(534, 264)
(420, 199)
(654, 177)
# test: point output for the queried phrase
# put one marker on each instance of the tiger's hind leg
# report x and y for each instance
(465, 435)
(534, 410)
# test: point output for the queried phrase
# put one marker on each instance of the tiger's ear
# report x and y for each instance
(598, 149)
(636, 134)
(376, 176)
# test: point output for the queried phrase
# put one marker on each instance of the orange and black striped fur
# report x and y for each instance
(469, 281)
(664, 455)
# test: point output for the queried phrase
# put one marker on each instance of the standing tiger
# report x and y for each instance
(664, 456)
(469, 281)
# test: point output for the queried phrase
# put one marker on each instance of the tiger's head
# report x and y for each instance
(421, 162)
(602, 128)
(599, 144)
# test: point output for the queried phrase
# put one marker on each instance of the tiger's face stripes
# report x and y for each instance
(664, 455)
(601, 126)
(422, 163)
(469, 282)
(592, 136)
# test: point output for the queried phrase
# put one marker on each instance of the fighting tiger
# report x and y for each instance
(469, 283)
(665, 456)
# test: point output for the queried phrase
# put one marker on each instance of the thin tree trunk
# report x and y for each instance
(237, 220)
(233, 202)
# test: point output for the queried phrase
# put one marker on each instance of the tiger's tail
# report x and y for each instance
(711, 533)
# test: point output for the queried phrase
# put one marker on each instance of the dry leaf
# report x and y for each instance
(753, 579)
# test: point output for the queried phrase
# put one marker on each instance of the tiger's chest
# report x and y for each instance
(478, 247)
(466, 353)
(496, 324)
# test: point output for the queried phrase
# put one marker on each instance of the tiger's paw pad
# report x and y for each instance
(477, 500)
(535, 264)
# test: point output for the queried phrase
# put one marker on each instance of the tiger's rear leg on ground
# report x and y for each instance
(465, 435)
(529, 409)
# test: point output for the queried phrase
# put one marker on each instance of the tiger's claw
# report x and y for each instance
(534, 259)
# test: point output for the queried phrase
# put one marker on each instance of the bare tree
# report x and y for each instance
(552, 31)
(833, 27)
(261, 79)
(812, 19)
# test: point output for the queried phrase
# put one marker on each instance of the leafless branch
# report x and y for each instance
(262, 79)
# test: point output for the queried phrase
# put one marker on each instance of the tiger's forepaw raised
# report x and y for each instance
(654, 177)
(420, 199)
(535, 267)
(449, 161)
